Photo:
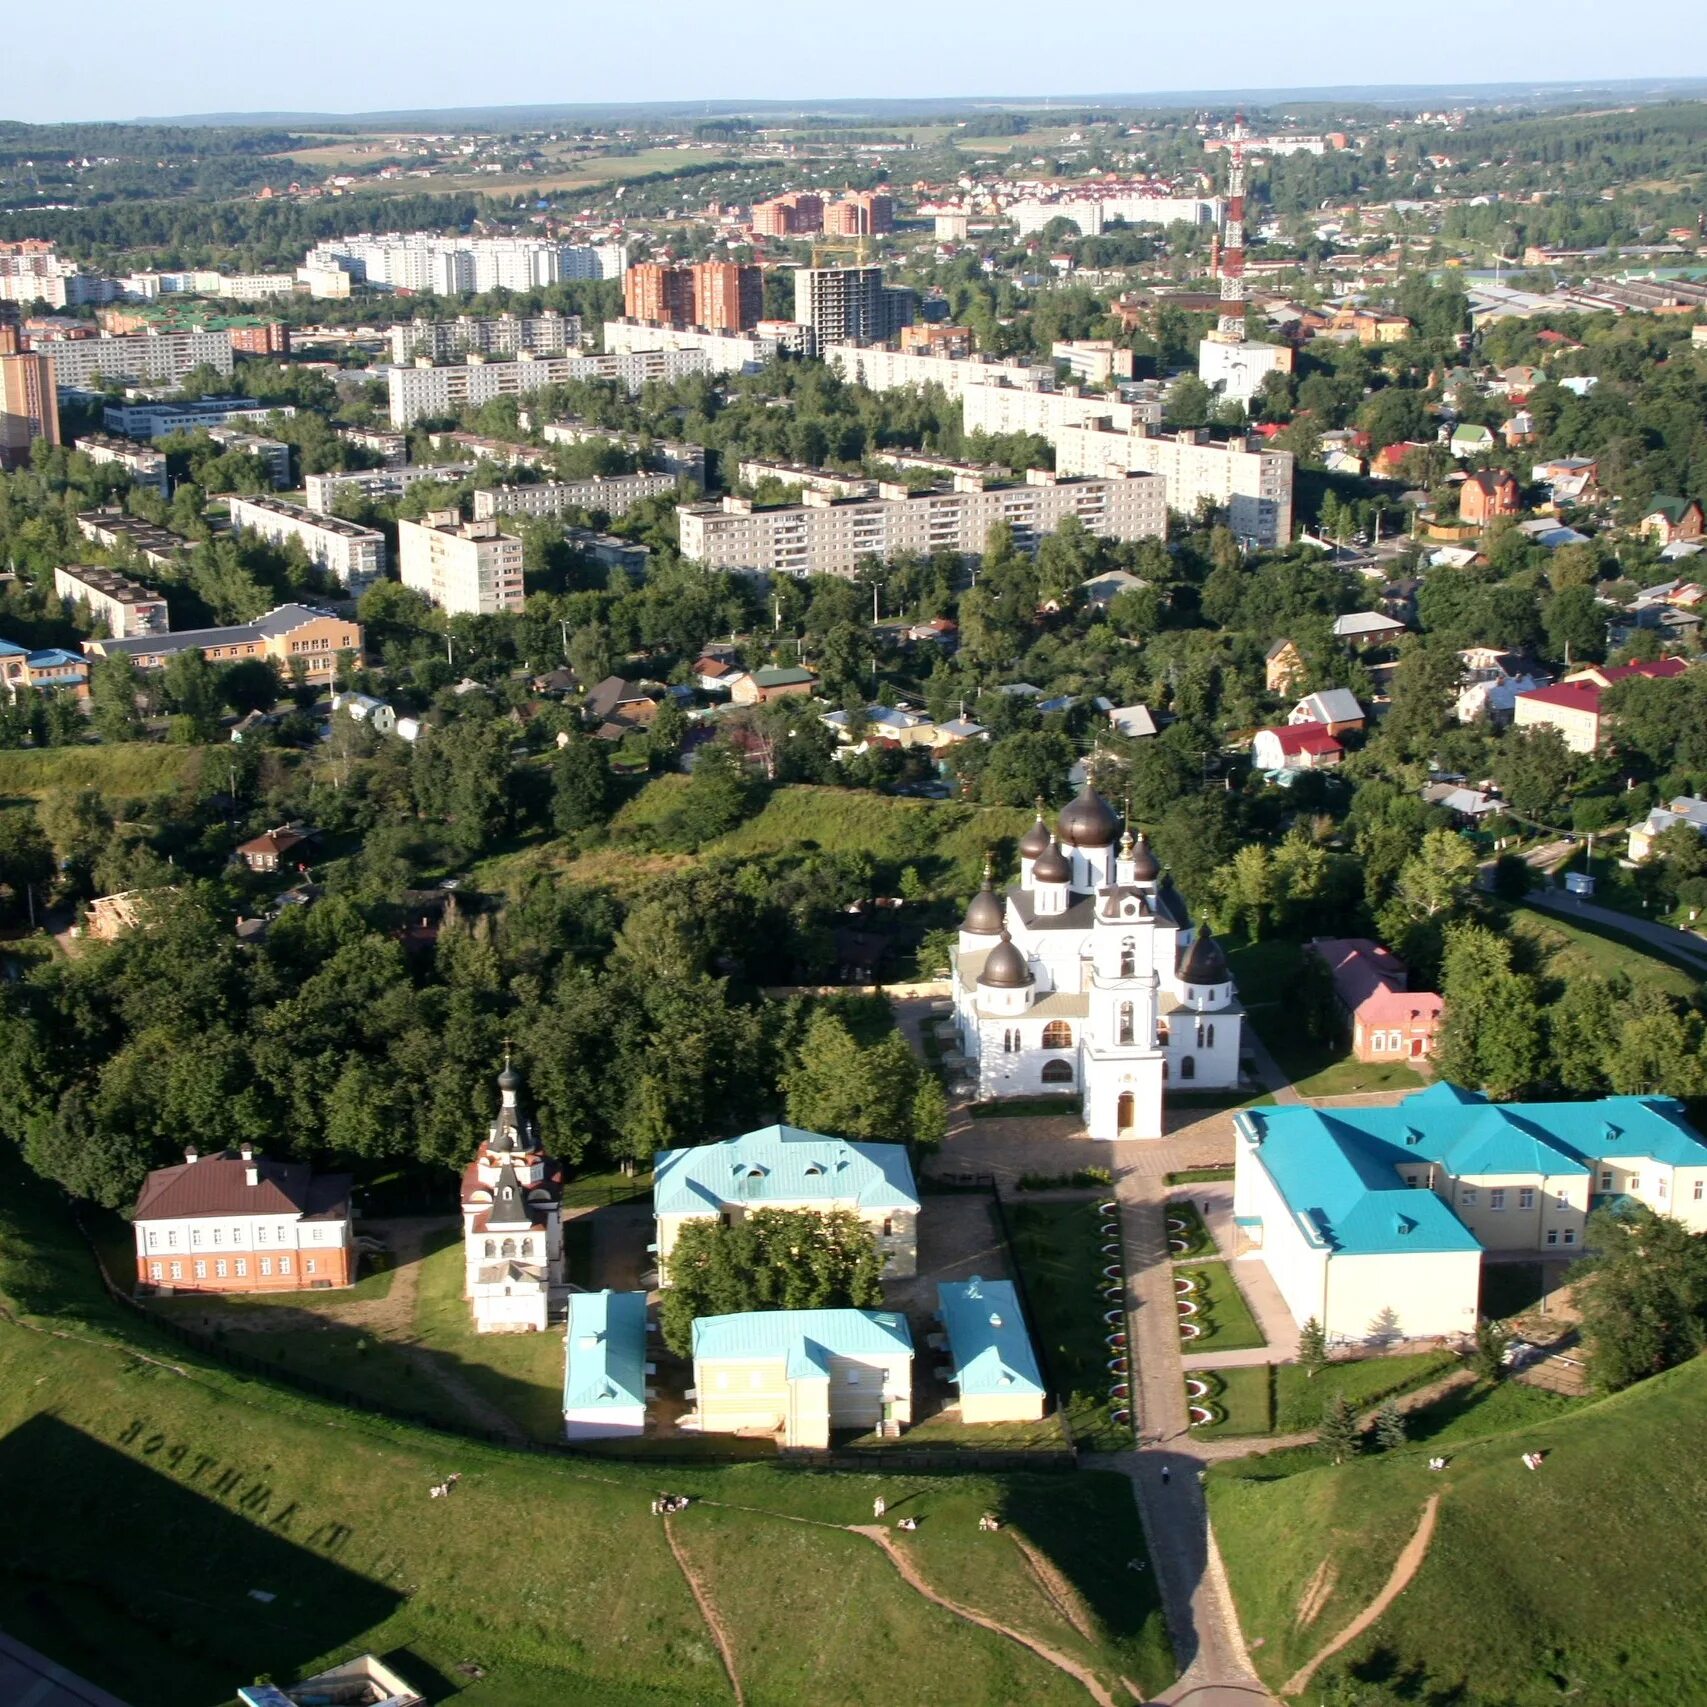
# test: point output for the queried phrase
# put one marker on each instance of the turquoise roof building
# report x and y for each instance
(604, 1365)
(995, 1367)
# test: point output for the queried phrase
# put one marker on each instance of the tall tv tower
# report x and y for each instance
(1230, 325)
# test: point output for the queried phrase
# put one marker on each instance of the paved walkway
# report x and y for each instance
(1567, 906)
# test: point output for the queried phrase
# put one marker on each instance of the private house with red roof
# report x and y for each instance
(277, 850)
(1387, 1021)
(1487, 495)
(512, 1226)
(1296, 747)
(1573, 706)
(236, 1222)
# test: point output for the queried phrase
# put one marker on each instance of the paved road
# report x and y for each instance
(1566, 906)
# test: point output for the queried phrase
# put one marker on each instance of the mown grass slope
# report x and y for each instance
(1582, 1581)
(147, 1493)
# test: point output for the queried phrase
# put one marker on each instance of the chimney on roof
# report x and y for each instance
(251, 1168)
(191, 1153)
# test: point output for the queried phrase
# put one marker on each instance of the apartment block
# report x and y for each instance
(293, 636)
(1092, 213)
(547, 334)
(860, 213)
(453, 266)
(666, 456)
(884, 370)
(29, 406)
(157, 420)
(850, 305)
(1253, 484)
(272, 454)
(144, 466)
(354, 556)
(724, 352)
(322, 491)
(113, 530)
(420, 393)
(127, 609)
(141, 358)
(727, 297)
(937, 338)
(465, 568)
(392, 448)
(658, 292)
(1096, 361)
(1000, 409)
(832, 536)
(614, 494)
(797, 214)
(755, 469)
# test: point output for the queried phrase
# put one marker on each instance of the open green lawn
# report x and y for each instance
(147, 1492)
(1300, 1399)
(1565, 950)
(1059, 1250)
(1511, 1603)
(1222, 1312)
(132, 770)
(1267, 975)
(1470, 1413)
(1244, 1399)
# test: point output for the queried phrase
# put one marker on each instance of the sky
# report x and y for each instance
(125, 59)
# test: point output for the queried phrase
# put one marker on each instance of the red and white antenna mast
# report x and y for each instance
(1230, 326)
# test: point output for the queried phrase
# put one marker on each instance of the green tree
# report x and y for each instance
(1488, 1349)
(772, 1259)
(26, 857)
(114, 690)
(837, 1086)
(720, 795)
(1339, 1435)
(930, 1114)
(1575, 624)
(1390, 1427)
(1312, 1348)
(580, 786)
(1438, 877)
(191, 693)
(1644, 1307)
(1536, 769)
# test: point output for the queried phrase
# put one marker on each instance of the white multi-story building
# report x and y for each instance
(454, 266)
(885, 370)
(272, 454)
(144, 466)
(724, 352)
(238, 287)
(1236, 370)
(615, 494)
(1087, 976)
(668, 456)
(34, 273)
(1091, 214)
(322, 491)
(465, 568)
(1002, 409)
(419, 393)
(125, 608)
(1252, 484)
(547, 334)
(352, 555)
(157, 420)
(138, 358)
(833, 536)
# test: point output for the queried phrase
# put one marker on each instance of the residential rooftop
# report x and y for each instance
(782, 1165)
(805, 1340)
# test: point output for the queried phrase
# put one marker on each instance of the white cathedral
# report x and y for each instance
(512, 1222)
(1088, 974)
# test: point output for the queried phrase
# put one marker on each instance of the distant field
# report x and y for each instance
(132, 770)
(564, 174)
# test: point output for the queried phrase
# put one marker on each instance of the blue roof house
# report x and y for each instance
(799, 1374)
(604, 1366)
(785, 1167)
(995, 1368)
(1376, 1219)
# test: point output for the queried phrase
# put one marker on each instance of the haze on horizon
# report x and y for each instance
(125, 61)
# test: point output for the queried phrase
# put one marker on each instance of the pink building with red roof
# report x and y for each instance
(1388, 1022)
(1574, 705)
(1296, 747)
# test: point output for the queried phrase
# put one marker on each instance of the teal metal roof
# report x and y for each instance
(782, 1165)
(1340, 1170)
(605, 1356)
(806, 1339)
(987, 1338)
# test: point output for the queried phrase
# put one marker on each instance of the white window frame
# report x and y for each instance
(1526, 1197)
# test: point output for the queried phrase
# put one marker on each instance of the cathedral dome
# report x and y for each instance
(1204, 963)
(1005, 968)
(509, 1079)
(1052, 866)
(1088, 821)
(984, 916)
(1146, 868)
(1036, 839)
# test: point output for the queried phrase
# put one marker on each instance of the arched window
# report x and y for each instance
(1188, 1067)
(527, 1247)
(1209, 1035)
(1057, 1072)
(1128, 959)
(1162, 1033)
(1057, 1034)
(508, 1249)
(491, 1247)
(1126, 1022)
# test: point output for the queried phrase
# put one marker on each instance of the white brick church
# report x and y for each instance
(1088, 974)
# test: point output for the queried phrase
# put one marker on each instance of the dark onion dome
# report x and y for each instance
(1204, 962)
(984, 916)
(1146, 868)
(509, 1079)
(1036, 839)
(1088, 821)
(1005, 967)
(1052, 866)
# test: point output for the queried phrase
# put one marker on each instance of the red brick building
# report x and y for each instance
(797, 214)
(1387, 1021)
(1488, 495)
(235, 1222)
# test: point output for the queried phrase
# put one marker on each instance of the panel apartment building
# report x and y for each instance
(464, 568)
(157, 420)
(615, 494)
(127, 609)
(832, 536)
(144, 466)
(547, 334)
(321, 492)
(668, 456)
(1000, 408)
(1253, 484)
(721, 296)
(723, 352)
(354, 556)
(454, 266)
(420, 393)
(139, 358)
(291, 635)
(113, 530)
